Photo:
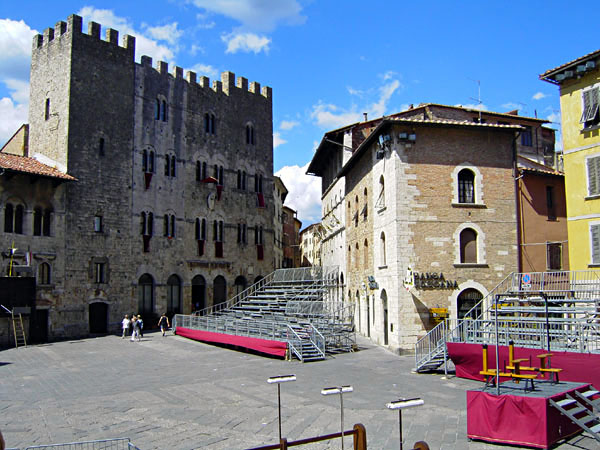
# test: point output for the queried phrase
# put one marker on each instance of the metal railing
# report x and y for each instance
(570, 323)
(102, 444)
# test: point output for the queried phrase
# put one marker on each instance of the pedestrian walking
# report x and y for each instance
(163, 323)
(141, 325)
(136, 329)
(125, 323)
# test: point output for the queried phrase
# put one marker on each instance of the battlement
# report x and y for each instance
(73, 27)
(227, 85)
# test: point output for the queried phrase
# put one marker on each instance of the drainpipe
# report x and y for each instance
(516, 179)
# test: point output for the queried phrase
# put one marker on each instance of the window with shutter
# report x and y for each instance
(591, 103)
(595, 250)
(593, 168)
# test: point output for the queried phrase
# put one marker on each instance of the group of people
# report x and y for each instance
(135, 326)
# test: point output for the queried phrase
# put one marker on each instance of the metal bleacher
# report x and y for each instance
(549, 310)
(296, 306)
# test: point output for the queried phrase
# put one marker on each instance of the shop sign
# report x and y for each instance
(433, 280)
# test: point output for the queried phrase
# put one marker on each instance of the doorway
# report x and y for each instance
(98, 313)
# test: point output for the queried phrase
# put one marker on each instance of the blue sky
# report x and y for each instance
(329, 61)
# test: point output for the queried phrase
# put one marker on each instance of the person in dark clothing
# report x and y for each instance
(163, 323)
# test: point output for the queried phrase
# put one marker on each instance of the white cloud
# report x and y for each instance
(288, 124)
(168, 33)
(357, 92)
(304, 194)
(386, 91)
(15, 49)
(555, 118)
(329, 116)
(19, 90)
(388, 75)
(144, 45)
(539, 96)
(278, 140)
(205, 70)
(260, 15)
(246, 42)
(13, 116)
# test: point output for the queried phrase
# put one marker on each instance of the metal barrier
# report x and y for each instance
(103, 444)
(358, 433)
(534, 310)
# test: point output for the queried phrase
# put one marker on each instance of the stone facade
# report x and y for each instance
(403, 216)
(173, 206)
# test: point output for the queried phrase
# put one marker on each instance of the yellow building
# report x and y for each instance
(579, 83)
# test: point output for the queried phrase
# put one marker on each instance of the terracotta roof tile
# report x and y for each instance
(575, 61)
(465, 123)
(32, 166)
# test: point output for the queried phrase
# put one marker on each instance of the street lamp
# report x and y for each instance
(341, 390)
(402, 404)
(278, 380)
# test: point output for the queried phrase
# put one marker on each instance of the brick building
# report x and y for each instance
(291, 237)
(434, 203)
(172, 208)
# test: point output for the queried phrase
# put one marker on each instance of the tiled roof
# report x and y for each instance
(474, 110)
(532, 166)
(575, 61)
(465, 123)
(32, 166)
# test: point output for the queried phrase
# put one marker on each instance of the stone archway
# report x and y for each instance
(219, 290)
(466, 300)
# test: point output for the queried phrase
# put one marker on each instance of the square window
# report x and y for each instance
(98, 224)
(99, 272)
(590, 105)
(593, 172)
(554, 256)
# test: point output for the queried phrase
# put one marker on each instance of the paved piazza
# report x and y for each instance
(172, 393)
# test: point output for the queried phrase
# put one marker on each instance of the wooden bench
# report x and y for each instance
(545, 368)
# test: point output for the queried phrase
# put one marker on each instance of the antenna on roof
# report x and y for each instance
(478, 99)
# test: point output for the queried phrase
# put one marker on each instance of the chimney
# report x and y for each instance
(365, 116)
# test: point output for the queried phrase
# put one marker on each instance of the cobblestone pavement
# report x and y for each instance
(173, 393)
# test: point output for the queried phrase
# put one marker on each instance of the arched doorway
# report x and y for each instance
(219, 290)
(98, 314)
(240, 284)
(173, 295)
(466, 300)
(198, 293)
(146, 295)
(384, 306)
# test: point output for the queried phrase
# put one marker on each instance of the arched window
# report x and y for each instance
(157, 109)
(466, 186)
(163, 111)
(466, 301)
(151, 162)
(44, 274)
(41, 221)
(19, 219)
(101, 147)
(381, 197)
(356, 256)
(144, 161)
(147, 223)
(209, 123)
(366, 253)
(174, 295)
(9, 218)
(382, 249)
(468, 246)
(173, 166)
(169, 225)
(250, 134)
(146, 294)
(365, 210)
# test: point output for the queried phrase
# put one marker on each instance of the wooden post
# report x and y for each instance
(360, 437)
(283, 444)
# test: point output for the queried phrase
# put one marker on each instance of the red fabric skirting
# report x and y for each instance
(511, 419)
(276, 348)
(577, 367)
